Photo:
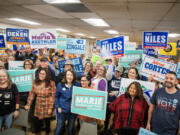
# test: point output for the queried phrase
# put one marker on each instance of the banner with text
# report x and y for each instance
(75, 46)
(16, 65)
(41, 38)
(156, 67)
(149, 52)
(112, 47)
(17, 36)
(77, 63)
(23, 79)
(155, 39)
(148, 87)
(88, 102)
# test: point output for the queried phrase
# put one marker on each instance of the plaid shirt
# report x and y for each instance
(121, 107)
(45, 98)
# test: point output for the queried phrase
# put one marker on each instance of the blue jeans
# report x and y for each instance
(8, 118)
(60, 125)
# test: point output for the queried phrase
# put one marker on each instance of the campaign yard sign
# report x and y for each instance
(112, 47)
(16, 65)
(61, 43)
(17, 36)
(75, 46)
(88, 102)
(130, 57)
(156, 67)
(41, 38)
(78, 66)
(143, 131)
(155, 40)
(130, 45)
(148, 87)
(2, 42)
(178, 70)
(23, 79)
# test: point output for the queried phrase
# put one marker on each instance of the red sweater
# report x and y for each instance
(129, 113)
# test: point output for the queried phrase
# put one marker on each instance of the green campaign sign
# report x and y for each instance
(97, 58)
(23, 79)
(87, 102)
(130, 57)
(61, 43)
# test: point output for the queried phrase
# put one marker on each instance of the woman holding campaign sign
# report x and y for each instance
(63, 99)
(9, 100)
(44, 90)
(130, 110)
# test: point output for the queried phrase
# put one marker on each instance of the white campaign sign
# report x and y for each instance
(16, 65)
(148, 87)
(156, 67)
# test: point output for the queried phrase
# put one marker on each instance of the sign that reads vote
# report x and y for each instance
(178, 70)
(2, 42)
(155, 39)
(17, 36)
(23, 79)
(88, 102)
(41, 38)
(75, 46)
(77, 63)
(148, 87)
(143, 131)
(16, 65)
(156, 68)
(112, 47)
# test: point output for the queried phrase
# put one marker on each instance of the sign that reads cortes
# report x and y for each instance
(155, 39)
(112, 47)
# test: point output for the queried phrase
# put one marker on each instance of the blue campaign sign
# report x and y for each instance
(112, 47)
(143, 131)
(17, 36)
(2, 43)
(178, 70)
(155, 39)
(149, 52)
(178, 44)
(75, 46)
(78, 66)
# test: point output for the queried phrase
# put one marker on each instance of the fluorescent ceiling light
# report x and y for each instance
(61, 1)
(96, 22)
(24, 21)
(92, 37)
(111, 31)
(173, 35)
(80, 34)
(62, 30)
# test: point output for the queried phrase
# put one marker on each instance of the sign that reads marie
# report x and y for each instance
(112, 47)
(41, 38)
(23, 79)
(156, 68)
(155, 40)
(17, 36)
(89, 102)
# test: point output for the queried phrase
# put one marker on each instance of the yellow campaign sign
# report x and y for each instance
(170, 50)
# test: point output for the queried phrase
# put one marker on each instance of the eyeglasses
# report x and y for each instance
(83, 80)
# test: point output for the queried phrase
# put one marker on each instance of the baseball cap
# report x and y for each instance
(119, 68)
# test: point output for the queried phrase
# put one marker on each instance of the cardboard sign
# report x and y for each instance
(155, 39)
(75, 46)
(78, 66)
(41, 38)
(130, 57)
(2, 42)
(89, 102)
(178, 70)
(143, 131)
(17, 36)
(61, 43)
(170, 50)
(16, 65)
(156, 68)
(148, 87)
(23, 79)
(112, 47)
